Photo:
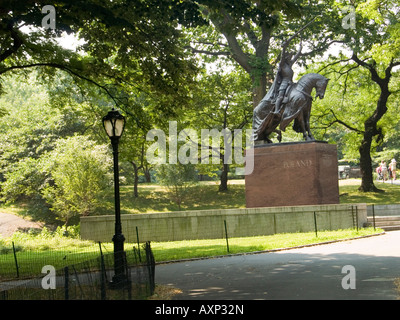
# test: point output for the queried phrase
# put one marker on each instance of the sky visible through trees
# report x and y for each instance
(203, 65)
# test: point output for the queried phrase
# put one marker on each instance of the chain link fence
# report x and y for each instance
(89, 280)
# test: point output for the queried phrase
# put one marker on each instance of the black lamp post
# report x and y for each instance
(114, 124)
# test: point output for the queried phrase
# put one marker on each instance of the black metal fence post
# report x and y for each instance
(15, 259)
(103, 275)
(151, 265)
(357, 217)
(80, 280)
(315, 224)
(66, 283)
(373, 215)
(138, 243)
(226, 236)
(353, 217)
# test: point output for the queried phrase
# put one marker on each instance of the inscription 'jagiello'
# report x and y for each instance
(297, 164)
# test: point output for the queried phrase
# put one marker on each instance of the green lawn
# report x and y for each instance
(349, 193)
(205, 195)
(154, 198)
(164, 251)
(35, 251)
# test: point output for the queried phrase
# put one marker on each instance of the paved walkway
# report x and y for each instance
(306, 273)
(391, 181)
(10, 223)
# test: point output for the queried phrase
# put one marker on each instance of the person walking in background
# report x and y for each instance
(392, 167)
(384, 170)
(379, 175)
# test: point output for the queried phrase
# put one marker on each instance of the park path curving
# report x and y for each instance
(10, 223)
(315, 272)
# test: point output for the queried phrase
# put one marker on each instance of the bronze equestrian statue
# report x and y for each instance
(287, 101)
(296, 106)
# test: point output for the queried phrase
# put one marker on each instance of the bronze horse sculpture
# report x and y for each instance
(295, 106)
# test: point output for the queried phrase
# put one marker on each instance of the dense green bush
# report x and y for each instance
(80, 174)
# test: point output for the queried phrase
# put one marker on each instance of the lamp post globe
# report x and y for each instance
(114, 124)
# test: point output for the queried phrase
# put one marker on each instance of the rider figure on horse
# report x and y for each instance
(285, 72)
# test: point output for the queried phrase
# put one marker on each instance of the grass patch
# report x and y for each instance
(33, 255)
(166, 251)
(54, 248)
(152, 198)
(33, 251)
(349, 193)
(203, 196)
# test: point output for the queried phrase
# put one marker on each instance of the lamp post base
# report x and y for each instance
(120, 279)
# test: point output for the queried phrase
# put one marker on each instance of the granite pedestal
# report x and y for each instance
(291, 174)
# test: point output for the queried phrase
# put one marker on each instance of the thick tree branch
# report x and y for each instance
(388, 71)
(16, 45)
(374, 73)
(337, 120)
(236, 50)
(251, 35)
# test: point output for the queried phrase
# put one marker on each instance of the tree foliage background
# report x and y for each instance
(204, 64)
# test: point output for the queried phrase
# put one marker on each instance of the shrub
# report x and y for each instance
(80, 173)
(178, 178)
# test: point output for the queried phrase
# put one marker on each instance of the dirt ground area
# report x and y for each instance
(10, 223)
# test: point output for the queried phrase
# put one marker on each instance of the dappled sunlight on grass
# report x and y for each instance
(173, 250)
(203, 196)
(349, 193)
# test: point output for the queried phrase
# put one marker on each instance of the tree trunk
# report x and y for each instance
(370, 126)
(135, 184)
(371, 130)
(259, 88)
(254, 65)
(147, 174)
(367, 181)
(224, 178)
(136, 179)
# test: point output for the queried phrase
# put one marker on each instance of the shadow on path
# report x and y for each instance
(306, 273)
